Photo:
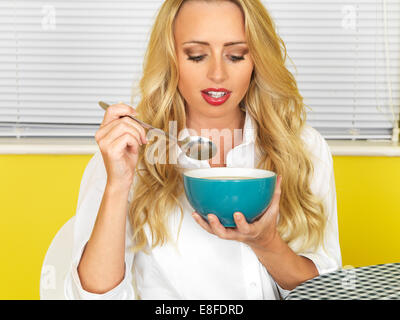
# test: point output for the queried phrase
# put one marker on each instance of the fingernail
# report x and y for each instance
(237, 215)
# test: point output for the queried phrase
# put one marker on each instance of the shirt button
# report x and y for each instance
(253, 284)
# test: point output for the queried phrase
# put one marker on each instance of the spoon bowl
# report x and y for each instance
(198, 148)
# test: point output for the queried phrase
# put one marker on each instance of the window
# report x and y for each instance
(58, 58)
(347, 58)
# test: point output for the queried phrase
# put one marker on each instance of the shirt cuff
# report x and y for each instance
(282, 292)
(323, 264)
(123, 291)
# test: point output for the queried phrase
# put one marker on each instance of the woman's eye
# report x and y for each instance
(237, 58)
(196, 58)
(199, 58)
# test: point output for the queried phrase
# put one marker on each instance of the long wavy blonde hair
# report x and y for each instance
(274, 102)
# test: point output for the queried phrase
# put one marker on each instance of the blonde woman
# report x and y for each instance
(136, 235)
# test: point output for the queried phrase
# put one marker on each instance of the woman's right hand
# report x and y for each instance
(119, 140)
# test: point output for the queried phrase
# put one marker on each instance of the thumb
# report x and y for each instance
(277, 195)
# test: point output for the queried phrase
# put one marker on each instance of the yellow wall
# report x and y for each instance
(368, 192)
(39, 193)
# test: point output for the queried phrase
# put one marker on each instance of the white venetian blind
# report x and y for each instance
(348, 63)
(58, 58)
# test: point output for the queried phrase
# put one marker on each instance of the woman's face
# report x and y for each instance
(221, 61)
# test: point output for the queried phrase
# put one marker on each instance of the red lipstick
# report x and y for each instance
(215, 100)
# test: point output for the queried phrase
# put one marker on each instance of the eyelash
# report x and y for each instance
(199, 58)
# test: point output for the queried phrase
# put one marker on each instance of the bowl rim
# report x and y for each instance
(228, 171)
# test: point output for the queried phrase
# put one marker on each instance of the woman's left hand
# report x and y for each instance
(260, 233)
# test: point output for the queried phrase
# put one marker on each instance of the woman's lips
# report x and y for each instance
(215, 101)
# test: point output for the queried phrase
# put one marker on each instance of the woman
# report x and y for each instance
(136, 235)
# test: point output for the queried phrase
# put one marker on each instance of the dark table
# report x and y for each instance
(371, 283)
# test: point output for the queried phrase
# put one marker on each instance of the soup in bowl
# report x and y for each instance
(224, 191)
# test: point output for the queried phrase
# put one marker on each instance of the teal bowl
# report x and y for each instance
(224, 191)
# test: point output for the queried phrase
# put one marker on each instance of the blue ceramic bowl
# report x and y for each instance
(224, 191)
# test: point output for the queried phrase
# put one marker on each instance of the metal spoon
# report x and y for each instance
(195, 147)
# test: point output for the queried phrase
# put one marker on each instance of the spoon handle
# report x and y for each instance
(143, 124)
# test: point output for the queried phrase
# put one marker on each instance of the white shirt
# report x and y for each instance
(201, 266)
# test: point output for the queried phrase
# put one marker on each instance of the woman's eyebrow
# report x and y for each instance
(207, 44)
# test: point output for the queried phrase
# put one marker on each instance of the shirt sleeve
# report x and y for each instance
(327, 257)
(90, 196)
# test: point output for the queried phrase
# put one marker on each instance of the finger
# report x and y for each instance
(242, 225)
(125, 120)
(118, 146)
(118, 132)
(120, 126)
(217, 228)
(273, 208)
(201, 222)
(277, 194)
(137, 126)
(115, 111)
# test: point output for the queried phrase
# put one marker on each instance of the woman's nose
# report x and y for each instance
(216, 71)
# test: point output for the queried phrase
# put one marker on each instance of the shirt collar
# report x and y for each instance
(249, 133)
